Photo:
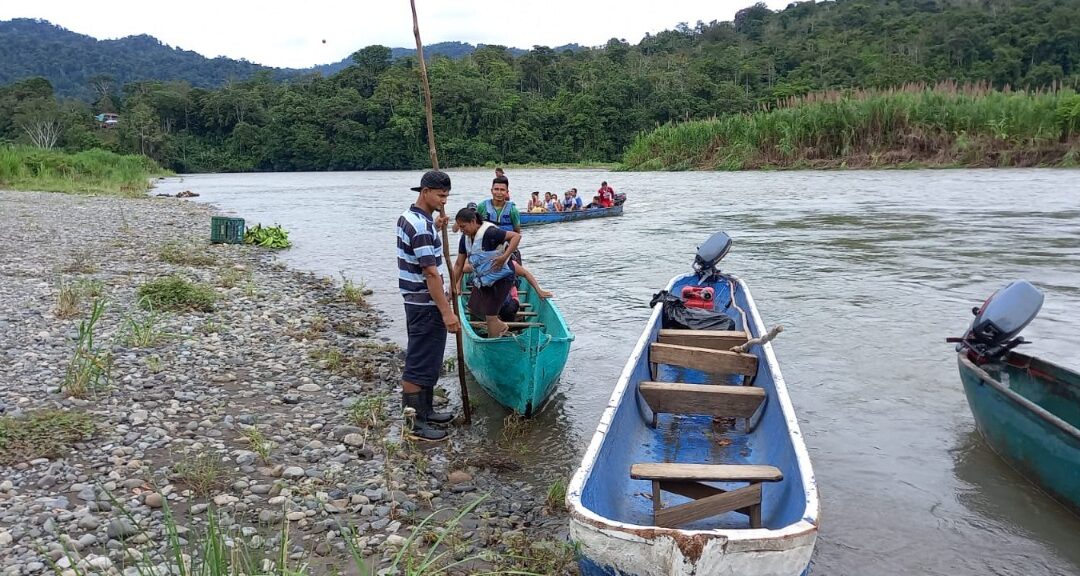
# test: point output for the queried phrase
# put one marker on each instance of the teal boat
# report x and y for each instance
(519, 370)
(1027, 409)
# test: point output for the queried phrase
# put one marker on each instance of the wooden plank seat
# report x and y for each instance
(687, 480)
(713, 339)
(718, 401)
(703, 359)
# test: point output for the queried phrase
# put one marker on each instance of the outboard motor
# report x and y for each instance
(709, 254)
(997, 325)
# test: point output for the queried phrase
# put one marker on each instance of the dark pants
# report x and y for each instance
(427, 342)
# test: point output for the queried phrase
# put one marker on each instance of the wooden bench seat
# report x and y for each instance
(703, 359)
(687, 480)
(713, 339)
(718, 401)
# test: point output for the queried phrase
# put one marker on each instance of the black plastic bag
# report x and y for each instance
(677, 315)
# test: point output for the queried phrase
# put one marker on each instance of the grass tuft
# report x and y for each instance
(89, 371)
(259, 444)
(186, 255)
(41, 434)
(177, 294)
(352, 292)
(203, 473)
(369, 412)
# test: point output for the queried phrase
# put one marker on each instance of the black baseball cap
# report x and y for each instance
(434, 179)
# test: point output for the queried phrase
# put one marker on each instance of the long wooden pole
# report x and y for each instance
(465, 406)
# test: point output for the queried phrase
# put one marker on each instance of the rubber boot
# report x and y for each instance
(420, 428)
(429, 404)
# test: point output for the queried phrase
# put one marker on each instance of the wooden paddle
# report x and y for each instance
(466, 408)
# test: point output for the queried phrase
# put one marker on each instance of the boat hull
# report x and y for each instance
(1029, 416)
(520, 371)
(610, 515)
(537, 218)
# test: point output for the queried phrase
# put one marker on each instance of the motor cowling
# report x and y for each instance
(710, 253)
(998, 322)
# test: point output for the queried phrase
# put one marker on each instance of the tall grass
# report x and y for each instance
(89, 171)
(942, 125)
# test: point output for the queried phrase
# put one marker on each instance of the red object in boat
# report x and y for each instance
(698, 296)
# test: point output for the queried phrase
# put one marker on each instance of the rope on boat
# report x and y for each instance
(741, 348)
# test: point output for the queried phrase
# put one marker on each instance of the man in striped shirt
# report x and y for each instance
(428, 315)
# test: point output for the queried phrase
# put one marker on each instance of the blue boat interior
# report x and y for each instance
(631, 439)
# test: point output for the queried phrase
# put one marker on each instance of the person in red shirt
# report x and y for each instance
(607, 195)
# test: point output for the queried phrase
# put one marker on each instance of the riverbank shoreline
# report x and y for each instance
(276, 411)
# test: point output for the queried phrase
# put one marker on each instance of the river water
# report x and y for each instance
(868, 271)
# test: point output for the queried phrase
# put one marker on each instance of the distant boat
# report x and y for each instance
(1027, 409)
(537, 218)
(520, 371)
(698, 466)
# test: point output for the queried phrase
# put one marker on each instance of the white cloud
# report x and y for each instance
(319, 31)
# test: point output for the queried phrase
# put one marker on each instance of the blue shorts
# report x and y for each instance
(427, 343)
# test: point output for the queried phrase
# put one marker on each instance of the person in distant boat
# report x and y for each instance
(535, 204)
(551, 202)
(567, 202)
(578, 204)
(606, 194)
(487, 249)
(428, 315)
(595, 204)
(499, 210)
(500, 174)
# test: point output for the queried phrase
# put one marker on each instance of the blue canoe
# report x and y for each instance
(698, 466)
(1028, 410)
(536, 218)
(520, 370)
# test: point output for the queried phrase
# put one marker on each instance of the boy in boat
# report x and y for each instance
(499, 210)
(428, 314)
(482, 247)
(595, 203)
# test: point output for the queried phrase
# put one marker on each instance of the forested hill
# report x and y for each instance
(554, 106)
(71, 61)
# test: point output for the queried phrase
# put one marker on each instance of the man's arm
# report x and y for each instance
(435, 286)
(515, 219)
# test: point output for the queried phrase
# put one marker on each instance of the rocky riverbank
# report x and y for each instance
(267, 416)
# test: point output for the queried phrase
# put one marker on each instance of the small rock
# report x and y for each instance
(309, 388)
(121, 528)
(295, 516)
(355, 440)
(293, 473)
(5, 539)
(291, 398)
(459, 477)
(153, 500)
(225, 499)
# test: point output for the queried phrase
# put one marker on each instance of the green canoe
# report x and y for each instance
(520, 371)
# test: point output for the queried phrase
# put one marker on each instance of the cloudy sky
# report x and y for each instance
(301, 34)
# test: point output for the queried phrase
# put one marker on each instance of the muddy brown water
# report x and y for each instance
(868, 271)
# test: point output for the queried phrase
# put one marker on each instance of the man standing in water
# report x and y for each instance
(428, 314)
